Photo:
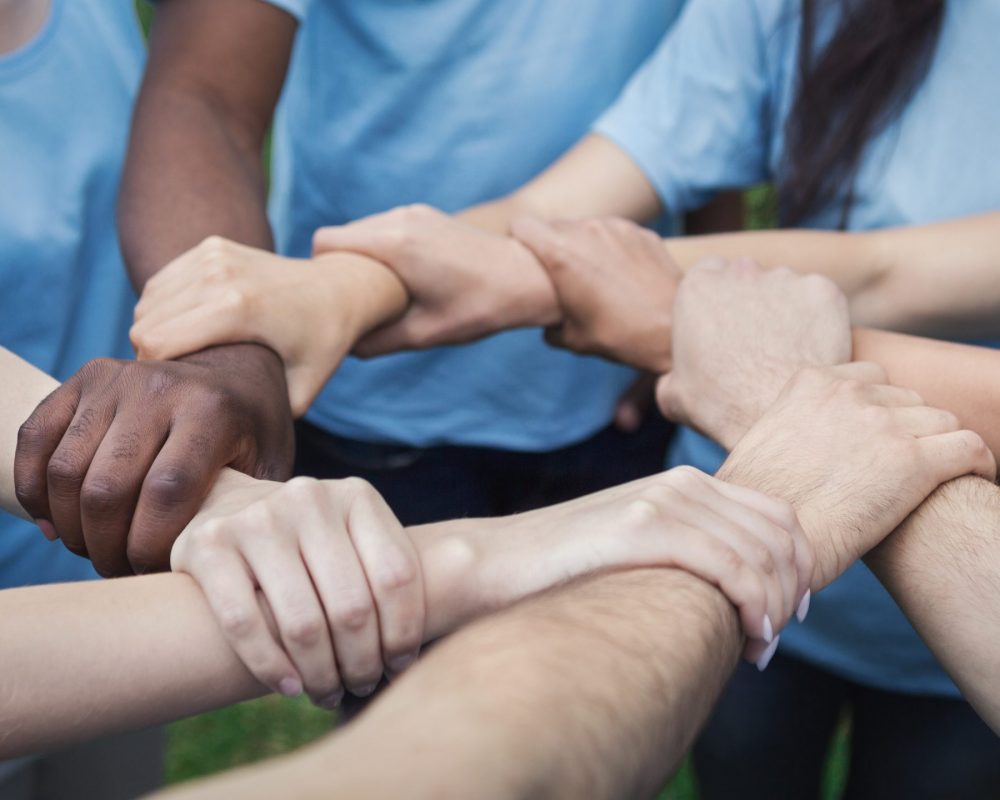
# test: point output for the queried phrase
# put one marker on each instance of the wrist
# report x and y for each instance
(450, 562)
(535, 303)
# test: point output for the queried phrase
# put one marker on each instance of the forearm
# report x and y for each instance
(596, 178)
(594, 690)
(943, 568)
(215, 184)
(937, 279)
(24, 387)
(91, 658)
(962, 379)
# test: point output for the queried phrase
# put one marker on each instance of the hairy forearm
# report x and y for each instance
(943, 568)
(962, 379)
(593, 690)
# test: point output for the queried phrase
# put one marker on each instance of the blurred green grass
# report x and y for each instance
(259, 729)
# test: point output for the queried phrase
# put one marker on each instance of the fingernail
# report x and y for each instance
(48, 529)
(803, 610)
(332, 700)
(401, 663)
(290, 687)
(767, 655)
(365, 691)
(768, 629)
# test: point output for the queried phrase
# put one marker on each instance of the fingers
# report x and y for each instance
(205, 325)
(37, 440)
(392, 569)
(350, 610)
(111, 490)
(375, 236)
(173, 490)
(920, 421)
(226, 581)
(69, 466)
(787, 533)
(276, 562)
(952, 455)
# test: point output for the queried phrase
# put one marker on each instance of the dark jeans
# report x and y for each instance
(769, 737)
(438, 483)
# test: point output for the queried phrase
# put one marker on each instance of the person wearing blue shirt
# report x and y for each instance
(865, 116)
(69, 70)
(446, 102)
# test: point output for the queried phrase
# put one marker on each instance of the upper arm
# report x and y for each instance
(230, 55)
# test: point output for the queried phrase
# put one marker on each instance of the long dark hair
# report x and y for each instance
(848, 93)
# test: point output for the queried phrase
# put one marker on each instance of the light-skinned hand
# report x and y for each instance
(464, 283)
(340, 575)
(854, 457)
(739, 333)
(310, 312)
(616, 285)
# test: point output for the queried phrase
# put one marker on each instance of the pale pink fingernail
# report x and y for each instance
(767, 655)
(290, 687)
(48, 529)
(768, 629)
(803, 610)
(365, 691)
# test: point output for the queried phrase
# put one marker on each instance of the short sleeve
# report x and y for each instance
(695, 116)
(297, 8)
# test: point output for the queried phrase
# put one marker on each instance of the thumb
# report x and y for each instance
(543, 240)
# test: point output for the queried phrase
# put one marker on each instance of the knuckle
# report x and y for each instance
(395, 571)
(305, 630)
(685, 478)
(169, 485)
(64, 471)
(352, 613)
(32, 433)
(101, 495)
(358, 488)
(236, 621)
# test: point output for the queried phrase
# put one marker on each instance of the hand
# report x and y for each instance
(740, 333)
(120, 458)
(464, 283)
(854, 457)
(747, 544)
(309, 312)
(341, 577)
(616, 286)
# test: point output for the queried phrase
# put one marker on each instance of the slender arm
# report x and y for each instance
(594, 690)
(943, 568)
(937, 279)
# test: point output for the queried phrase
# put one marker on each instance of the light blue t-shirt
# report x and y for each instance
(451, 103)
(708, 112)
(65, 102)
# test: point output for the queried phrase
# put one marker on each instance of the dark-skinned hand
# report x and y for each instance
(117, 461)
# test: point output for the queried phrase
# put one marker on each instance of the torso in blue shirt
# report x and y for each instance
(451, 102)
(65, 102)
(708, 112)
